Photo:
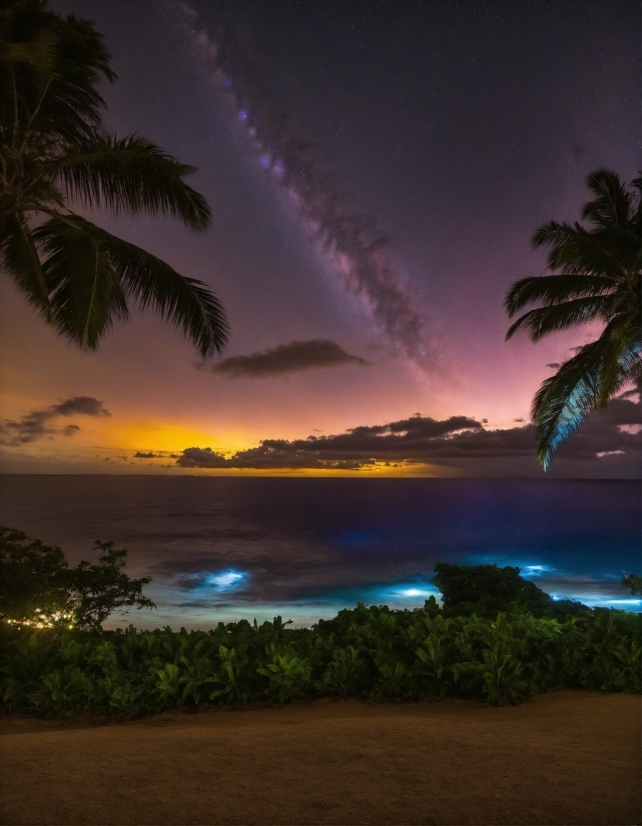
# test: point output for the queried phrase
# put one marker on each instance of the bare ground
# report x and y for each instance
(564, 757)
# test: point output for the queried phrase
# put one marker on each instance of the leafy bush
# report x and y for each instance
(487, 589)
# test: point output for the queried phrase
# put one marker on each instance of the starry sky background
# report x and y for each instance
(452, 128)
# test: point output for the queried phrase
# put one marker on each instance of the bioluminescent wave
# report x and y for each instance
(222, 548)
(355, 246)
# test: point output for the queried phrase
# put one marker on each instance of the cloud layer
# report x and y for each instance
(454, 442)
(41, 423)
(294, 357)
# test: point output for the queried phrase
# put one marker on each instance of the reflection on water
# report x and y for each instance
(221, 549)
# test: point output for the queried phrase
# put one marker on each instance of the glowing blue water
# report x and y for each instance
(221, 548)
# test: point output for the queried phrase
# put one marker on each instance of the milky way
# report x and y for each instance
(356, 247)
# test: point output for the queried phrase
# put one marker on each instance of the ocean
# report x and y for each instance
(221, 548)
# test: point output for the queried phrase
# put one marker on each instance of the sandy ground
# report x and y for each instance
(565, 757)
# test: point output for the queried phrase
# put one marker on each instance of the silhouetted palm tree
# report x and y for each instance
(597, 279)
(55, 153)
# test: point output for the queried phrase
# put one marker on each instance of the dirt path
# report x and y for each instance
(565, 757)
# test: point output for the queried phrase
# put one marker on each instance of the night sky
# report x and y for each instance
(375, 172)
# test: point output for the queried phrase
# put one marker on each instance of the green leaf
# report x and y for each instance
(555, 317)
(19, 256)
(130, 175)
(90, 273)
(583, 384)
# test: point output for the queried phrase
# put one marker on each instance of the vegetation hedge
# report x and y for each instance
(368, 652)
(495, 637)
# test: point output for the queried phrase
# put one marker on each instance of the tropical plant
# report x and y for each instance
(287, 672)
(343, 672)
(435, 671)
(596, 279)
(169, 681)
(61, 689)
(198, 673)
(230, 675)
(394, 683)
(55, 154)
(499, 672)
(24, 661)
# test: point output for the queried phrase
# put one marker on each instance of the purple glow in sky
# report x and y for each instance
(375, 179)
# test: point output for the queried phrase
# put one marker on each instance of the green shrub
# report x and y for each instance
(486, 590)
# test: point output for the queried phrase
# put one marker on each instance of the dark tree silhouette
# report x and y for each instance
(39, 588)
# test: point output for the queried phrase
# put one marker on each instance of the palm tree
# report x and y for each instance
(597, 278)
(55, 153)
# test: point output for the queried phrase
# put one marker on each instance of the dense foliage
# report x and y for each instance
(487, 589)
(372, 653)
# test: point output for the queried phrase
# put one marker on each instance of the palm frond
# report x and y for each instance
(185, 302)
(19, 256)
(57, 95)
(584, 383)
(85, 311)
(598, 278)
(38, 52)
(555, 317)
(86, 296)
(554, 289)
(55, 148)
(578, 251)
(131, 174)
(622, 362)
(612, 206)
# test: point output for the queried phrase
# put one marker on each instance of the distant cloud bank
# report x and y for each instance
(458, 442)
(41, 423)
(285, 359)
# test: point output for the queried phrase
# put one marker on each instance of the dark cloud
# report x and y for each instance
(286, 358)
(202, 457)
(554, 364)
(80, 405)
(150, 455)
(405, 440)
(629, 394)
(41, 423)
(455, 442)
